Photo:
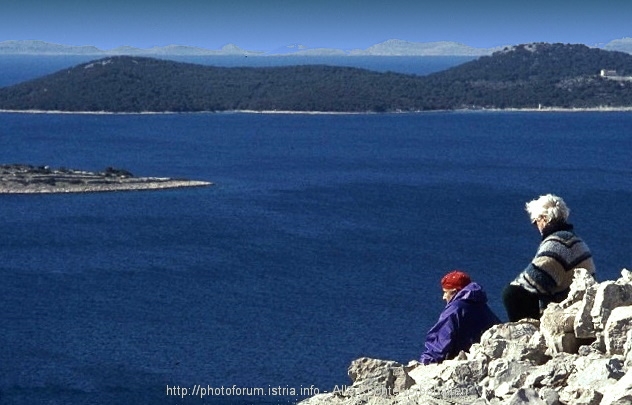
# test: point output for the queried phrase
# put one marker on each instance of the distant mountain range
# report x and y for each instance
(523, 76)
(392, 47)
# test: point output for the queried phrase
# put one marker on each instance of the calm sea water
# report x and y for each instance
(323, 240)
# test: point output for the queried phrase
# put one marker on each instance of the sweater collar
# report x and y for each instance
(555, 227)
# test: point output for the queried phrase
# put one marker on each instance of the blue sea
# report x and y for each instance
(322, 240)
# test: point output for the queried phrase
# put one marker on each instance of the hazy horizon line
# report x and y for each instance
(390, 47)
(290, 44)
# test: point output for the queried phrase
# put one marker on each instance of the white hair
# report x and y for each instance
(549, 206)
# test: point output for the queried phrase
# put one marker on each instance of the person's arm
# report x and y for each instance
(440, 339)
(539, 276)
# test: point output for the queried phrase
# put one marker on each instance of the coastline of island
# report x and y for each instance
(288, 112)
(29, 179)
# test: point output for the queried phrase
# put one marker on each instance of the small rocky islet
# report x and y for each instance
(30, 179)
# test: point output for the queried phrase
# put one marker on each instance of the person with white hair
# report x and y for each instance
(549, 275)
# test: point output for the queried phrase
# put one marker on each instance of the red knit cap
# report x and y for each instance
(455, 280)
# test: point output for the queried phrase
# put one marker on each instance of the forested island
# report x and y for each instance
(529, 76)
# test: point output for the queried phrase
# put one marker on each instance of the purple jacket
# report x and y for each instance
(460, 324)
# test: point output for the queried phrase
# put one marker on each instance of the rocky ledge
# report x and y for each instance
(28, 179)
(578, 353)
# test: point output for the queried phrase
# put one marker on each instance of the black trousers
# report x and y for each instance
(520, 303)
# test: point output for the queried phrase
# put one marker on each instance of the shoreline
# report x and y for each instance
(288, 112)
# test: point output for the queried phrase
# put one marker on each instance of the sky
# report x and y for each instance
(265, 25)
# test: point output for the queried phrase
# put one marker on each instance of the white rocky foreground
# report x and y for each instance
(579, 353)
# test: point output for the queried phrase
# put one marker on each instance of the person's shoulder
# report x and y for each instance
(563, 236)
(563, 233)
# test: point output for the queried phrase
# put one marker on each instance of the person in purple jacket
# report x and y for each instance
(462, 322)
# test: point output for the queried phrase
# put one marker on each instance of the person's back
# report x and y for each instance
(461, 323)
(475, 316)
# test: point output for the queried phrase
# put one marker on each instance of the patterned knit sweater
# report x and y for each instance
(551, 271)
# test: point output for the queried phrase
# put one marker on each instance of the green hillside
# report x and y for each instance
(551, 75)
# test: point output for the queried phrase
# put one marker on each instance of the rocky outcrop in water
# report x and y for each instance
(579, 353)
(28, 179)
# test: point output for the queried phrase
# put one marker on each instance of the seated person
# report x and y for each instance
(462, 322)
(549, 275)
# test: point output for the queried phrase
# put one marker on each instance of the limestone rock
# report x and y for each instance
(558, 328)
(609, 296)
(582, 281)
(460, 378)
(559, 319)
(549, 396)
(585, 397)
(426, 376)
(536, 349)
(506, 377)
(617, 327)
(593, 375)
(554, 374)
(418, 396)
(378, 377)
(366, 367)
(526, 396)
(455, 381)
(619, 393)
(599, 344)
(626, 276)
(520, 331)
(518, 341)
(627, 349)
(583, 326)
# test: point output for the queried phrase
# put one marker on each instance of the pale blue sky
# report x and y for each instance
(345, 24)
